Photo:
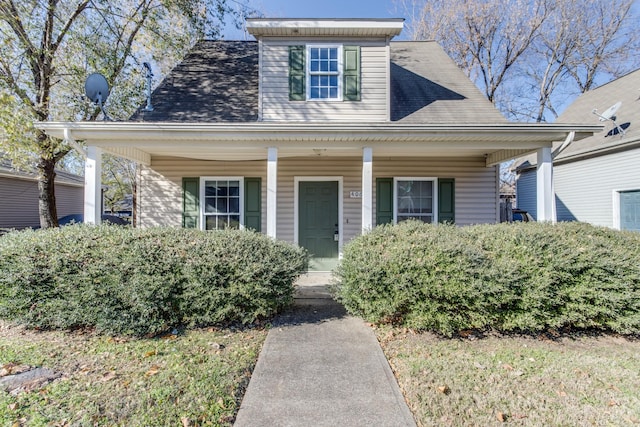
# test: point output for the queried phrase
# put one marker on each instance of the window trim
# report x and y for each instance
(434, 186)
(203, 180)
(339, 74)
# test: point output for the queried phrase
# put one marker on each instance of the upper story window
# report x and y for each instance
(324, 72)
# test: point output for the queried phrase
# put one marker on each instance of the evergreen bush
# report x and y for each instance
(523, 277)
(129, 281)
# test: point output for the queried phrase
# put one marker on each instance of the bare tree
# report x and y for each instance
(485, 37)
(49, 46)
(529, 57)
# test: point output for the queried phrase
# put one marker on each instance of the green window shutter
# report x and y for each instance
(384, 201)
(351, 73)
(253, 203)
(190, 202)
(446, 200)
(297, 73)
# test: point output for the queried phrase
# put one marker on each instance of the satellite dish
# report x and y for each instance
(97, 90)
(610, 114)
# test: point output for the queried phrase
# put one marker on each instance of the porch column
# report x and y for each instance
(272, 191)
(93, 186)
(367, 189)
(544, 175)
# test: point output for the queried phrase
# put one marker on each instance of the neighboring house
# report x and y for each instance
(19, 196)
(317, 131)
(597, 179)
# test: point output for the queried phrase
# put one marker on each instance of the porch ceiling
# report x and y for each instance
(249, 141)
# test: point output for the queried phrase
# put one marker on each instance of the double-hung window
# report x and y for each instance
(415, 198)
(324, 79)
(222, 202)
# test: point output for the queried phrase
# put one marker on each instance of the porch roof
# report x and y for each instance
(249, 141)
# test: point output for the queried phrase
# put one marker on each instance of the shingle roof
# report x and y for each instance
(216, 82)
(428, 87)
(626, 90)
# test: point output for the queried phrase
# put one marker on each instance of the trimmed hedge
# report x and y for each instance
(523, 277)
(144, 281)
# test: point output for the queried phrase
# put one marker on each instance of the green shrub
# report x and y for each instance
(143, 281)
(509, 277)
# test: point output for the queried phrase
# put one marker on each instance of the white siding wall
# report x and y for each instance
(160, 199)
(275, 86)
(584, 190)
(19, 202)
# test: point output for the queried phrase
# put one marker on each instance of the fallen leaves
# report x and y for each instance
(444, 389)
(153, 370)
(13, 369)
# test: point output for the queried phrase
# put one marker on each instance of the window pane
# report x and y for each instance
(234, 221)
(315, 81)
(333, 53)
(234, 205)
(324, 53)
(333, 66)
(314, 53)
(333, 92)
(209, 189)
(315, 93)
(315, 66)
(324, 92)
(222, 205)
(324, 80)
(333, 81)
(234, 188)
(210, 223)
(210, 205)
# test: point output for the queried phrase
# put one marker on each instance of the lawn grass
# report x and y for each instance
(195, 378)
(515, 380)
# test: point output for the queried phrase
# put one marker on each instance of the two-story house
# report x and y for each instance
(315, 132)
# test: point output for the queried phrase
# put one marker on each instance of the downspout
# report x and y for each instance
(567, 142)
(68, 139)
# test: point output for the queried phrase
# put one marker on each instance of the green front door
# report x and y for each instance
(318, 222)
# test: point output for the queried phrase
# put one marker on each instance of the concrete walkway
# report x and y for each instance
(321, 367)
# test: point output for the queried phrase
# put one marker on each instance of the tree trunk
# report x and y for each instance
(46, 193)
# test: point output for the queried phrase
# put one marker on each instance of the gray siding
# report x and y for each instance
(19, 202)
(526, 192)
(585, 189)
(274, 88)
(160, 199)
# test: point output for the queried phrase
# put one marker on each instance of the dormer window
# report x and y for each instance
(327, 72)
(324, 72)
